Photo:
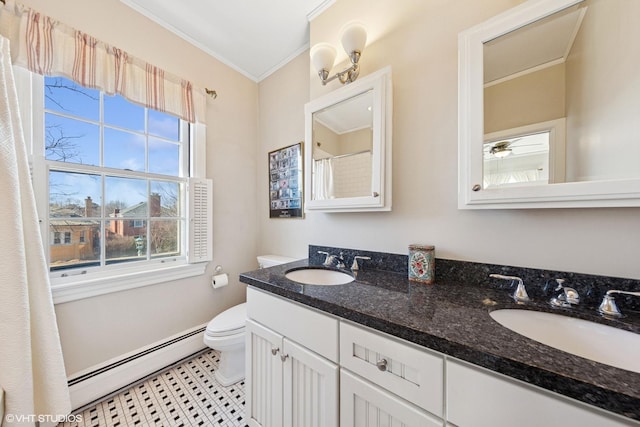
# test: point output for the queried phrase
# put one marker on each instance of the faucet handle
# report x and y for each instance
(326, 257)
(354, 265)
(608, 305)
(520, 295)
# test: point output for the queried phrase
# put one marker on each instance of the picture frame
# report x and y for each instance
(286, 172)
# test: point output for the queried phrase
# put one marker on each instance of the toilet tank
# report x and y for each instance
(265, 261)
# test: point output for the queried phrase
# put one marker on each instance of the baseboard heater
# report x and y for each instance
(105, 379)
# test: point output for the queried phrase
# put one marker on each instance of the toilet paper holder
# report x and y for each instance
(219, 279)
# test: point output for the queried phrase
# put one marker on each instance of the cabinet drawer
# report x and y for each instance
(363, 404)
(398, 366)
(314, 330)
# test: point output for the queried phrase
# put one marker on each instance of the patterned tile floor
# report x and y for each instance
(185, 395)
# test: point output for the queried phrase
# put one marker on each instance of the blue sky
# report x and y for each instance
(74, 117)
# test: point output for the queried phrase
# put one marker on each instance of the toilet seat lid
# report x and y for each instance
(229, 321)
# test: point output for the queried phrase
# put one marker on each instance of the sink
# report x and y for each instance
(319, 276)
(594, 341)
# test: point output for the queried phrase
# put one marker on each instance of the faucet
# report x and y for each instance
(608, 305)
(520, 295)
(330, 259)
(569, 296)
(354, 265)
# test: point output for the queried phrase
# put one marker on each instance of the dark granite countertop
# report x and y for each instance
(453, 318)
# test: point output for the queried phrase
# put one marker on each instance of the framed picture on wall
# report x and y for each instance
(285, 182)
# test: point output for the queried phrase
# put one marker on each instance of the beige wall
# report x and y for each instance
(532, 98)
(282, 96)
(97, 329)
(602, 88)
(419, 40)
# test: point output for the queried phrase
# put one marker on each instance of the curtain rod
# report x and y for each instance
(343, 155)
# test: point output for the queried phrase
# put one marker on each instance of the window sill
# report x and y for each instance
(91, 287)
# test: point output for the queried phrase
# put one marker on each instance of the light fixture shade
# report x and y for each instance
(353, 37)
(323, 56)
(502, 152)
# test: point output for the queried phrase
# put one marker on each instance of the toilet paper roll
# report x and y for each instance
(219, 280)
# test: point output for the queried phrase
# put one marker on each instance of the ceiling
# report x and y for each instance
(254, 37)
(544, 42)
(349, 115)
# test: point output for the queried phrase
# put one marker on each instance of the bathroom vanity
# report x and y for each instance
(382, 349)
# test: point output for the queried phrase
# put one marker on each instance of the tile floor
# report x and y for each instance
(185, 395)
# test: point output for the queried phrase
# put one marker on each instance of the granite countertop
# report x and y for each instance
(453, 318)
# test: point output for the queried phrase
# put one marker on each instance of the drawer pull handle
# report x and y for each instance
(382, 364)
(275, 351)
(283, 357)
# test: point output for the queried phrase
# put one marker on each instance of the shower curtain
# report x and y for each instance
(32, 372)
(323, 180)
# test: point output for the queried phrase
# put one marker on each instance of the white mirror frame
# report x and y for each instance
(471, 195)
(380, 199)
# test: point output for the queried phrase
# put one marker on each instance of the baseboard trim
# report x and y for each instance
(97, 382)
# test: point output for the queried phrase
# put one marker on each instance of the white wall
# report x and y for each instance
(97, 329)
(418, 38)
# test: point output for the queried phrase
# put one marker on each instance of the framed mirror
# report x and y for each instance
(548, 107)
(348, 155)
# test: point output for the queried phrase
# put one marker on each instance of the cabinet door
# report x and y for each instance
(310, 388)
(263, 376)
(479, 398)
(363, 404)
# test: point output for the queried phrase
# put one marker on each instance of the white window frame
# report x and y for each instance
(87, 283)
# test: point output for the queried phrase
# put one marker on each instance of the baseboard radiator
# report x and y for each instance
(112, 376)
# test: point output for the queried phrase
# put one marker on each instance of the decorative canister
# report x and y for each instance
(422, 263)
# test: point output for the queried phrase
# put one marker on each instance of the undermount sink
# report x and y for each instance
(319, 276)
(594, 341)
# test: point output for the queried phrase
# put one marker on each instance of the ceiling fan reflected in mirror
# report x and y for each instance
(521, 145)
(501, 148)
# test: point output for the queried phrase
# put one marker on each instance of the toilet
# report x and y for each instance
(225, 333)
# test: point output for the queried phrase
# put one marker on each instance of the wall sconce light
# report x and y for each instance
(323, 55)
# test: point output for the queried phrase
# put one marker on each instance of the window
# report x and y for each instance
(116, 172)
(111, 180)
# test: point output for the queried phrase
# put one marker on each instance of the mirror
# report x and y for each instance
(342, 148)
(548, 106)
(349, 131)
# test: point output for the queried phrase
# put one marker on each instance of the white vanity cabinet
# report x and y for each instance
(287, 382)
(388, 382)
(480, 398)
(310, 369)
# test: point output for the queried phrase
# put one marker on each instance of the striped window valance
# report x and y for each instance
(45, 46)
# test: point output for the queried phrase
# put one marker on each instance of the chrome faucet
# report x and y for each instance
(338, 259)
(608, 305)
(520, 295)
(568, 298)
(354, 264)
